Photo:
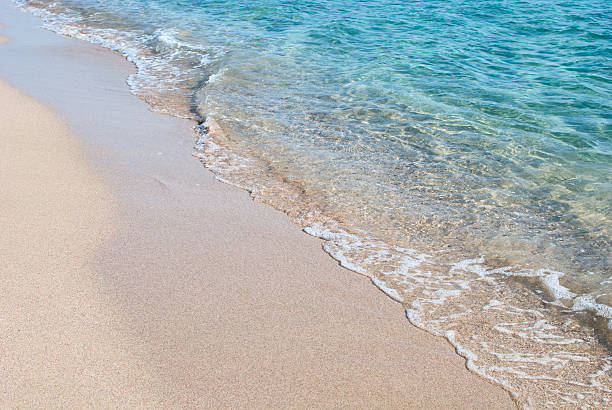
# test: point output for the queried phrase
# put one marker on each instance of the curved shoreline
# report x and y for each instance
(476, 272)
(213, 299)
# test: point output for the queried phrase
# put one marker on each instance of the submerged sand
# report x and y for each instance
(131, 277)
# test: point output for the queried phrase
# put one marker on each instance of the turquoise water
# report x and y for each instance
(457, 152)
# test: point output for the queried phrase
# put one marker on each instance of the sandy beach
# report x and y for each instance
(132, 278)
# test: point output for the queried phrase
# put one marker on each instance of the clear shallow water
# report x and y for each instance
(457, 152)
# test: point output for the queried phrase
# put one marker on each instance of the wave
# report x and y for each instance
(507, 333)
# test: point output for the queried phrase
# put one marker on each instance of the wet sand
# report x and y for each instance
(131, 277)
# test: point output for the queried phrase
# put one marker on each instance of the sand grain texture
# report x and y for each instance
(58, 342)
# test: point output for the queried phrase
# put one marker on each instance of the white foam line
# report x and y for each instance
(392, 293)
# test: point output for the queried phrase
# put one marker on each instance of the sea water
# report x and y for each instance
(459, 153)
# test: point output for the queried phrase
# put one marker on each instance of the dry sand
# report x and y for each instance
(58, 343)
(131, 277)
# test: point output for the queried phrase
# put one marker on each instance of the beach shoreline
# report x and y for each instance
(145, 281)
